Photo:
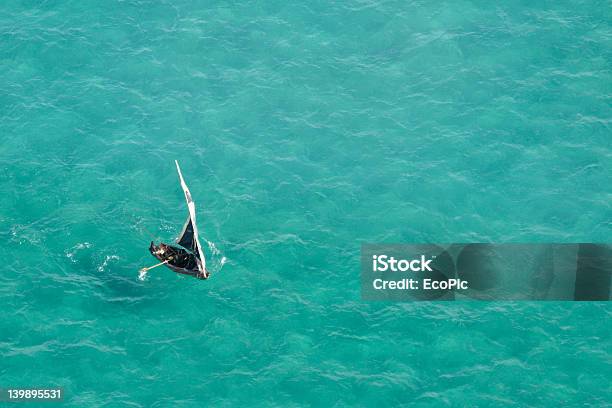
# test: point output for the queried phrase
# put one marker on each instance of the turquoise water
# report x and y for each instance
(303, 130)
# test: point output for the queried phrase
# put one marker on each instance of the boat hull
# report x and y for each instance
(155, 251)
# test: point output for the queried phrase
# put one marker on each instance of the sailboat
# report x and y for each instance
(187, 257)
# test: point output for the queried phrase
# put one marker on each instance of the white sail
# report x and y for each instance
(191, 226)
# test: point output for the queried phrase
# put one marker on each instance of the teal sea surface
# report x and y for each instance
(303, 129)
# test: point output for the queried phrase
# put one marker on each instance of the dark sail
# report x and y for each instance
(187, 239)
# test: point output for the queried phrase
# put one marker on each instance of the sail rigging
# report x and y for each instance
(188, 237)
